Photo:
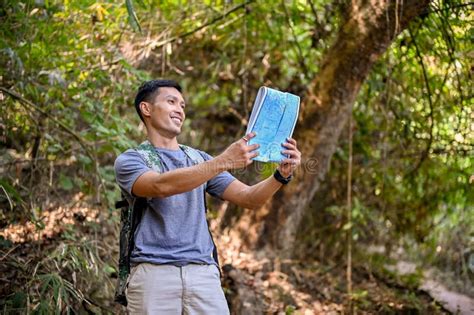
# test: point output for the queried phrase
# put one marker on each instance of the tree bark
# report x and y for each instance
(368, 29)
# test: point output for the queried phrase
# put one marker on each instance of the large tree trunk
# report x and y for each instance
(368, 30)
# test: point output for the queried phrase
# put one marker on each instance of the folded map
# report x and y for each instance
(273, 119)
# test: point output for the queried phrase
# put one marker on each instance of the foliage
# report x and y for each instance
(76, 66)
(416, 149)
(60, 282)
(413, 151)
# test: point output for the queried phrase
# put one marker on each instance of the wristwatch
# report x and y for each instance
(280, 178)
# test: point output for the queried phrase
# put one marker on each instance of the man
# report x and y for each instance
(173, 271)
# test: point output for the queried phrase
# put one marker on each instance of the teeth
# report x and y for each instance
(176, 119)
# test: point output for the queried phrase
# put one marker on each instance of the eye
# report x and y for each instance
(171, 101)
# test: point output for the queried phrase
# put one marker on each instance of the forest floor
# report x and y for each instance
(454, 302)
(309, 287)
(253, 285)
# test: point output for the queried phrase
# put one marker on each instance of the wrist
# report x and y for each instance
(283, 173)
(281, 177)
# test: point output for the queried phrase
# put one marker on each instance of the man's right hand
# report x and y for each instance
(239, 154)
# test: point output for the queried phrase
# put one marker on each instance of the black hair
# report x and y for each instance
(149, 89)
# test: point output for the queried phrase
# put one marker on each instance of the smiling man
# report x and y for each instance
(173, 268)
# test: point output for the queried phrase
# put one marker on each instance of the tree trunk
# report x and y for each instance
(368, 30)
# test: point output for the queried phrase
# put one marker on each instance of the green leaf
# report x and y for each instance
(132, 16)
(65, 182)
(10, 190)
(347, 226)
(109, 269)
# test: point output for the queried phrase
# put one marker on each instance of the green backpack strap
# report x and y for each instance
(197, 158)
(130, 215)
(193, 154)
(150, 156)
(152, 159)
(132, 209)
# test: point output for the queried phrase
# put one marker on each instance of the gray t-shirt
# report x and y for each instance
(173, 230)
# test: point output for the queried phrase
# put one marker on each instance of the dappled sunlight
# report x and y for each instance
(49, 224)
(305, 287)
(385, 131)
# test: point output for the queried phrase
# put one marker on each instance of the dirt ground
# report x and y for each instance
(254, 284)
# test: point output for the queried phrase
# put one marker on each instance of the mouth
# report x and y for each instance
(177, 120)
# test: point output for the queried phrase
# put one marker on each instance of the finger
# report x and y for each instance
(250, 135)
(252, 147)
(293, 162)
(291, 140)
(287, 162)
(250, 158)
(289, 145)
(291, 153)
(254, 154)
(292, 150)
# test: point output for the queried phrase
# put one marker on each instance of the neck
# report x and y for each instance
(159, 140)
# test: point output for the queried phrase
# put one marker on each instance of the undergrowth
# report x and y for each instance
(72, 271)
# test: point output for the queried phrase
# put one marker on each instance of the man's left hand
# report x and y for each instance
(288, 165)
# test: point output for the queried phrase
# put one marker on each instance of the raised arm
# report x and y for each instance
(251, 197)
(153, 184)
(255, 196)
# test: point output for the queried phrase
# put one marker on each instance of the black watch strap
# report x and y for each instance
(280, 178)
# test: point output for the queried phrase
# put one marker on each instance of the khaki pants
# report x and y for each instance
(167, 289)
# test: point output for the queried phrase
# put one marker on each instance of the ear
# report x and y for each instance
(145, 108)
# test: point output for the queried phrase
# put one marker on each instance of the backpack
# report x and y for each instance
(132, 210)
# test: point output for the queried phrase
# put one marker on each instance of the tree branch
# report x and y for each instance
(296, 43)
(425, 153)
(463, 5)
(37, 108)
(63, 126)
(197, 29)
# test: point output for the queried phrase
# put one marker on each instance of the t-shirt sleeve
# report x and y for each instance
(128, 167)
(218, 184)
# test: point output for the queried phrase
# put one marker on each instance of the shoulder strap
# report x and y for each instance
(195, 157)
(150, 156)
(192, 153)
(153, 160)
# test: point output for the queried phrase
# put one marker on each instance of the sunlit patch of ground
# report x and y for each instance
(309, 287)
(286, 287)
(50, 223)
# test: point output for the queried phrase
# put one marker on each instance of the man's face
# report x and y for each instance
(166, 113)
